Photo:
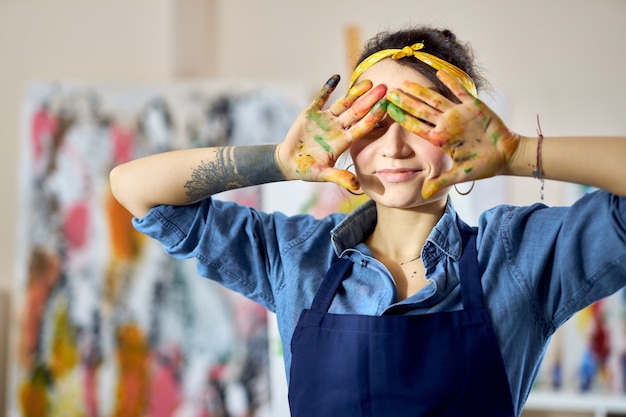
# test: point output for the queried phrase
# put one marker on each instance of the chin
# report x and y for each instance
(402, 195)
(398, 202)
(406, 202)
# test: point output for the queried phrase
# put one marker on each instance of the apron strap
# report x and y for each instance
(330, 284)
(471, 288)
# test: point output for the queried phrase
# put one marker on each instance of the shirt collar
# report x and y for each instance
(360, 223)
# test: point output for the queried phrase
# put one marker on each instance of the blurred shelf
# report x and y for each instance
(598, 404)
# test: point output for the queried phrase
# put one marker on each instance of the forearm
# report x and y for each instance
(186, 176)
(594, 161)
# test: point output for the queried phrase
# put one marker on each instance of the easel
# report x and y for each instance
(352, 44)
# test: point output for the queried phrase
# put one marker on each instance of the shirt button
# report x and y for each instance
(363, 263)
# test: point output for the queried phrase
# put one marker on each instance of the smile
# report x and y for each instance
(396, 175)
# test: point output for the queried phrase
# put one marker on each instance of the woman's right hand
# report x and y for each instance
(318, 137)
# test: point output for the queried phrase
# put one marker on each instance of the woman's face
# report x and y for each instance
(391, 162)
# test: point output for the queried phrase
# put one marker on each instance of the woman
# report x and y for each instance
(399, 308)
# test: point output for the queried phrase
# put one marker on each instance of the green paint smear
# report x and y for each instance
(380, 105)
(394, 96)
(396, 113)
(495, 138)
(322, 143)
(308, 205)
(325, 125)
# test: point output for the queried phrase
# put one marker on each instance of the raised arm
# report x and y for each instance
(482, 146)
(186, 176)
(311, 148)
(598, 161)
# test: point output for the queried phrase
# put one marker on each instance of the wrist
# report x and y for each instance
(279, 161)
(522, 162)
(257, 164)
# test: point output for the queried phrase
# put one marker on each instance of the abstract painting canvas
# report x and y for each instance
(108, 324)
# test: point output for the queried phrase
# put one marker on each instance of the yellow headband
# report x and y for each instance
(413, 50)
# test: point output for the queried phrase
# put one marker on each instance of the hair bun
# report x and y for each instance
(448, 34)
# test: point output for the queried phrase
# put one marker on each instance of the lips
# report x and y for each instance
(397, 175)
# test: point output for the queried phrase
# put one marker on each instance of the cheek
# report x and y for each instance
(358, 152)
(446, 161)
(437, 156)
(359, 159)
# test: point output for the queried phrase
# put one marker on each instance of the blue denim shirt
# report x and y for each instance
(541, 265)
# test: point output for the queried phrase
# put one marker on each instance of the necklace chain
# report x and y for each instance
(412, 260)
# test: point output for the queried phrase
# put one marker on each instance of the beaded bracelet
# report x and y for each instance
(538, 172)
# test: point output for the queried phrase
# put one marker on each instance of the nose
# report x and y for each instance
(393, 144)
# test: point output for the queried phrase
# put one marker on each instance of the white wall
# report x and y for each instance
(554, 57)
(562, 59)
(112, 40)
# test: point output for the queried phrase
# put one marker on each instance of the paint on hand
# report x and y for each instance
(304, 162)
(396, 113)
(322, 143)
(321, 120)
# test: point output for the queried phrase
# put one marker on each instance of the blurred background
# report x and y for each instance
(561, 59)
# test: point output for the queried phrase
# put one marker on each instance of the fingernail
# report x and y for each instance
(333, 81)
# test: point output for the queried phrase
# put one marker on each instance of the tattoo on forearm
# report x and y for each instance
(233, 167)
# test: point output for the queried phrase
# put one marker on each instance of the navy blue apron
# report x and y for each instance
(435, 365)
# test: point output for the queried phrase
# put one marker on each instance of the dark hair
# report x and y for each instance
(439, 42)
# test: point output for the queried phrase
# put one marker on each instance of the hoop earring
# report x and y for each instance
(465, 192)
(353, 193)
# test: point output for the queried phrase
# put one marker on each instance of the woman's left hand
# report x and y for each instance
(478, 142)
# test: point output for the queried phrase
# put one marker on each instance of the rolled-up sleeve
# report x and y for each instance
(565, 258)
(233, 244)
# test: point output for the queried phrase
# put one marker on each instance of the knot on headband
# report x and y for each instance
(415, 51)
(407, 51)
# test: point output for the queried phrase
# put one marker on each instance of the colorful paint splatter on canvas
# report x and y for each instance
(108, 324)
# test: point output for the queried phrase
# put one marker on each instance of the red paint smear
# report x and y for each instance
(43, 125)
(122, 141)
(91, 390)
(599, 338)
(75, 225)
(165, 394)
(44, 271)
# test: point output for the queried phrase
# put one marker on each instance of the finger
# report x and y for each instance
(468, 170)
(375, 114)
(363, 105)
(415, 107)
(447, 179)
(322, 96)
(340, 177)
(427, 95)
(345, 102)
(454, 85)
(409, 122)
